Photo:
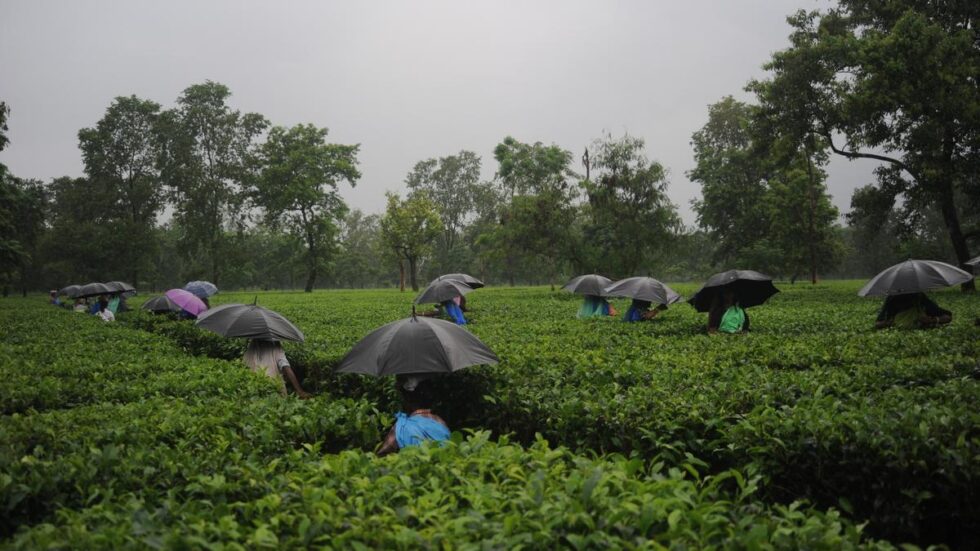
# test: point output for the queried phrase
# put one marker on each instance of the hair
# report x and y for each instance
(420, 398)
(103, 304)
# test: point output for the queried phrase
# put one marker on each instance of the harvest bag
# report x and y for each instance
(412, 430)
(733, 320)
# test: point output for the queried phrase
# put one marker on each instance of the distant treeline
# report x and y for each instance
(249, 205)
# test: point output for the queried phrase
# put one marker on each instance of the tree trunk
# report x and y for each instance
(311, 261)
(812, 222)
(951, 218)
(411, 273)
(401, 275)
(310, 279)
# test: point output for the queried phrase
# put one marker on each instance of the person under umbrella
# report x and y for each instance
(903, 286)
(727, 295)
(594, 303)
(420, 424)
(202, 290)
(645, 291)
(53, 299)
(414, 349)
(445, 294)
(465, 279)
(264, 329)
(191, 306)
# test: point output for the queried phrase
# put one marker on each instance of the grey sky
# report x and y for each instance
(406, 80)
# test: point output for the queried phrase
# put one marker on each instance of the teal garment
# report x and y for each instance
(733, 320)
(113, 304)
(593, 307)
(412, 430)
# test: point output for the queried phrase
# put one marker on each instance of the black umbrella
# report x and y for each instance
(70, 291)
(249, 321)
(643, 288)
(589, 284)
(914, 276)
(160, 305)
(441, 291)
(751, 288)
(93, 289)
(121, 287)
(416, 345)
(465, 278)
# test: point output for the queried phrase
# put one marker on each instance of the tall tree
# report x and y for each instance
(893, 82)
(631, 217)
(535, 222)
(208, 156)
(359, 263)
(450, 183)
(298, 188)
(120, 156)
(409, 228)
(733, 179)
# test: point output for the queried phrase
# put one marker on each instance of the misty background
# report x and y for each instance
(408, 81)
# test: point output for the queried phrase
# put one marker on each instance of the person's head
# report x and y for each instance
(728, 297)
(416, 391)
(54, 294)
(103, 304)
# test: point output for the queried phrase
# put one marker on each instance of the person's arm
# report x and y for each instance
(389, 444)
(290, 376)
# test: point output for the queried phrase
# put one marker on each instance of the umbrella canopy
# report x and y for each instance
(467, 279)
(643, 288)
(93, 289)
(914, 276)
(751, 288)
(589, 284)
(70, 291)
(441, 291)
(187, 301)
(416, 345)
(160, 305)
(249, 321)
(201, 289)
(974, 263)
(121, 287)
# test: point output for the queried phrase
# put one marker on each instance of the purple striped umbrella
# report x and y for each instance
(187, 301)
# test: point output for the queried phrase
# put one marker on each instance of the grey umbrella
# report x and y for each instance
(914, 276)
(121, 287)
(589, 284)
(465, 278)
(161, 304)
(643, 288)
(974, 263)
(751, 288)
(93, 289)
(441, 291)
(416, 345)
(70, 291)
(249, 321)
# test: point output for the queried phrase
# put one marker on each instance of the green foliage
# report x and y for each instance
(409, 228)
(208, 157)
(298, 188)
(629, 218)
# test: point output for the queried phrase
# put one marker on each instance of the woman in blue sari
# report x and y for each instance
(419, 424)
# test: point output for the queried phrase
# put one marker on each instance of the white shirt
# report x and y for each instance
(266, 357)
(107, 315)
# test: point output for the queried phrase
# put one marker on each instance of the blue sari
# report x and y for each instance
(454, 312)
(412, 430)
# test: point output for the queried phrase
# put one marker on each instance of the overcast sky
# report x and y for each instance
(406, 80)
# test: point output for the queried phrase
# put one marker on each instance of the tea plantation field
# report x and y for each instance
(813, 431)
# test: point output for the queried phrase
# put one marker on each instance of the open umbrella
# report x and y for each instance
(187, 301)
(974, 263)
(416, 345)
(249, 321)
(92, 290)
(441, 291)
(751, 288)
(160, 305)
(465, 278)
(589, 284)
(201, 289)
(643, 288)
(121, 287)
(914, 276)
(70, 291)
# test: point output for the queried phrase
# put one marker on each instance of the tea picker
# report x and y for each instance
(645, 292)
(726, 295)
(593, 287)
(904, 285)
(264, 329)
(414, 350)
